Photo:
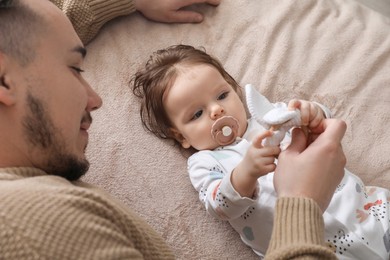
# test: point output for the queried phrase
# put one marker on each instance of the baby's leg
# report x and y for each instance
(357, 220)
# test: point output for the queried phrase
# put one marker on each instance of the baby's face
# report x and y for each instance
(198, 97)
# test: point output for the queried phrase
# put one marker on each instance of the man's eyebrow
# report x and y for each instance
(81, 50)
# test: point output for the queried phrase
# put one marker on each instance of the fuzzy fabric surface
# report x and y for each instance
(335, 52)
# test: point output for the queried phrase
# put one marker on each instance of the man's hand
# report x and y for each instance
(312, 171)
(170, 11)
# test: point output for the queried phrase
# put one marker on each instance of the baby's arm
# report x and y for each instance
(311, 113)
(258, 161)
(212, 180)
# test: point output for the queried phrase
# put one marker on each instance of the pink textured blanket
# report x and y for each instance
(335, 52)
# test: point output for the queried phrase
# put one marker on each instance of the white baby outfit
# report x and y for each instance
(356, 221)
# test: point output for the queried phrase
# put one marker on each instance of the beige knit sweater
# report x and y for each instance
(88, 16)
(298, 231)
(47, 217)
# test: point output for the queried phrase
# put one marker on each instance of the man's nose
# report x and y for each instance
(94, 100)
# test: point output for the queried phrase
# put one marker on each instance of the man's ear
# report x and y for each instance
(180, 138)
(7, 88)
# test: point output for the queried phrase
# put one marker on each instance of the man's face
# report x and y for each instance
(57, 101)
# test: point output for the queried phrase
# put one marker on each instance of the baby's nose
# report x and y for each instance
(217, 112)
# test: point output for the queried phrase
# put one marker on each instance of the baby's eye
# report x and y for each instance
(197, 115)
(223, 95)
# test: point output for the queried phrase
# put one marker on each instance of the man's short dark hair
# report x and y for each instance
(5, 3)
(19, 27)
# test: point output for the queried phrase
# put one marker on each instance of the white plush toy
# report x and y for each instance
(276, 118)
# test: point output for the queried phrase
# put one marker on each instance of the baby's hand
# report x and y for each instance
(260, 160)
(311, 114)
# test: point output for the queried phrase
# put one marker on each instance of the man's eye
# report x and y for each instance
(77, 69)
(223, 95)
(197, 115)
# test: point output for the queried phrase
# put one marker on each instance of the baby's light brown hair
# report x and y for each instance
(151, 82)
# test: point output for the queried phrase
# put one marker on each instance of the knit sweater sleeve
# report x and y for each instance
(298, 231)
(46, 217)
(88, 16)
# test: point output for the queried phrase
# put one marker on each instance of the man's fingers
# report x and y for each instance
(298, 141)
(213, 2)
(191, 2)
(184, 16)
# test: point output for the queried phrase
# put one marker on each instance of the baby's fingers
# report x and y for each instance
(316, 117)
(294, 104)
(270, 151)
(305, 112)
(304, 107)
(270, 167)
(258, 139)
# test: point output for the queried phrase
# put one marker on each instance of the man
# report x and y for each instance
(45, 107)
(45, 114)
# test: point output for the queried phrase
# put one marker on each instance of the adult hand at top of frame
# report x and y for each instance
(314, 168)
(170, 11)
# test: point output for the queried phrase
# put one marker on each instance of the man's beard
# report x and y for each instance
(44, 137)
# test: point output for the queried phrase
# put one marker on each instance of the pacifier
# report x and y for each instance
(225, 130)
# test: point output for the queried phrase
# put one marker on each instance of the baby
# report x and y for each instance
(187, 96)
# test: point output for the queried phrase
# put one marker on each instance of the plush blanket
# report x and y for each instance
(336, 52)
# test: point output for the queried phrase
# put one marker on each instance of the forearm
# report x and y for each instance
(243, 183)
(298, 231)
(213, 182)
(88, 16)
